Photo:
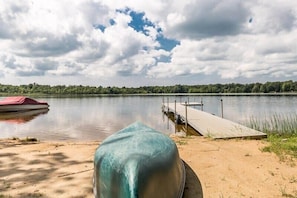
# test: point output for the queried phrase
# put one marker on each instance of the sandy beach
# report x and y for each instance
(215, 168)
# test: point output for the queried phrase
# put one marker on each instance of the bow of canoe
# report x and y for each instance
(138, 161)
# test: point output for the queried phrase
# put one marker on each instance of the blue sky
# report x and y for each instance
(134, 43)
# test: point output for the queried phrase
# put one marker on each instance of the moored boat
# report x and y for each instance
(138, 161)
(21, 103)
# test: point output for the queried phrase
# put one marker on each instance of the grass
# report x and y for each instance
(285, 194)
(181, 142)
(281, 133)
(284, 147)
(277, 124)
(27, 139)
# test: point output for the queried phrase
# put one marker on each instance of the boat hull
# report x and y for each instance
(21, 103)
(138, 162)
(11, 108)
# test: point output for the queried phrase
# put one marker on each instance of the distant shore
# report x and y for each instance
(154, 94)
(279, 87)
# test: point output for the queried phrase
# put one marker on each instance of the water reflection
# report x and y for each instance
(179, 127)
(21, 117)
(95, 118)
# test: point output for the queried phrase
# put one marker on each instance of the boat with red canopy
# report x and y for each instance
(21, 103)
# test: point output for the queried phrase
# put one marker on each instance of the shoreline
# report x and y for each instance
(216, 168)
(38, 95)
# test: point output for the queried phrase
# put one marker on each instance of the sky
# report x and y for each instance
(145, 43)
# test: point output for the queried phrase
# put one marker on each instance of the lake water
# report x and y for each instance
(95, 118)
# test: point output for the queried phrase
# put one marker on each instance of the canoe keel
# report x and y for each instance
(138, 162)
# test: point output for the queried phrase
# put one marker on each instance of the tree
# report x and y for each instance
(287, 86)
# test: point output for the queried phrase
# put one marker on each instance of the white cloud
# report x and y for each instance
(202, 19)
(272, 18)
(222, 38)
(232, 57)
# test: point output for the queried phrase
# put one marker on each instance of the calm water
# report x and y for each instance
(96, 118)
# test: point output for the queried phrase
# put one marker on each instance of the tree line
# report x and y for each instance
(268, 87)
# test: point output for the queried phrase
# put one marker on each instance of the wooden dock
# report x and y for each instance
(210, 125)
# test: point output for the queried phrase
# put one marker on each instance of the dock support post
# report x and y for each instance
(201, 104)
(167, 113)
(175, 116)
(222, 108)
(175, 112)
(186, 106)
(167, 106)
(163, 105)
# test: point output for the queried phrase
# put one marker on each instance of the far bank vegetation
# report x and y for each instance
(252, 88)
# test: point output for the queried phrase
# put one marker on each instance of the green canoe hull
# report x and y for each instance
(137, 162)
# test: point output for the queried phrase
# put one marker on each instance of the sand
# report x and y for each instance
(215, 168)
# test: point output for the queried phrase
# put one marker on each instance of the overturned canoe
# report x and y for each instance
(138, 161)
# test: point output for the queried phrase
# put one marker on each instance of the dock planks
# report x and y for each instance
(212, 126)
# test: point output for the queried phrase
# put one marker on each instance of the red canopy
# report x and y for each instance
(18, 100)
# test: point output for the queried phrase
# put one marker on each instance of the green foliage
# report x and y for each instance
(283, 146)
(279, 124)
(281, 134)
(268, 87)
